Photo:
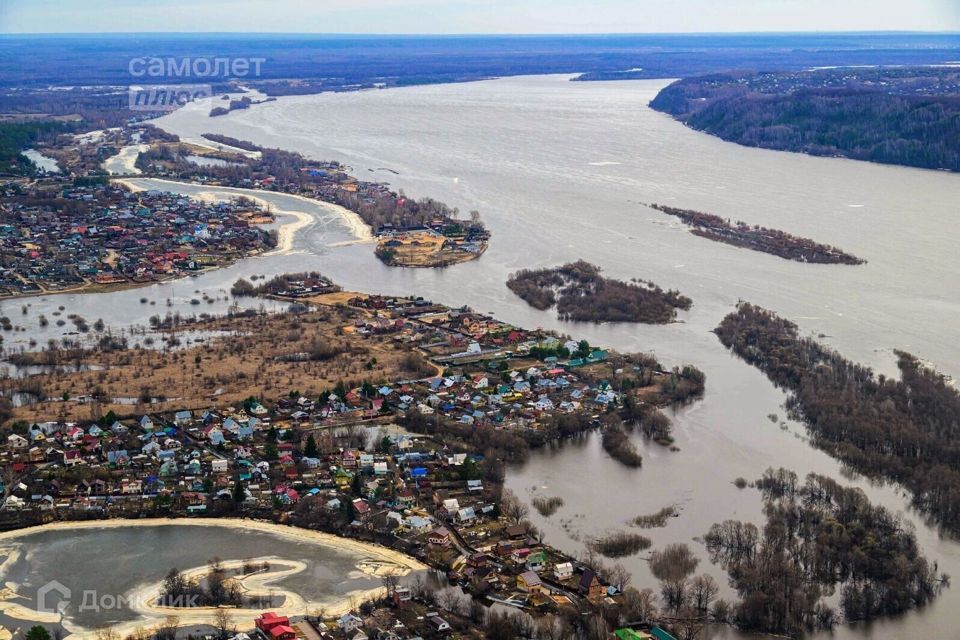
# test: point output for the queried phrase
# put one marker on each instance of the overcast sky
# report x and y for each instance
(477, 16)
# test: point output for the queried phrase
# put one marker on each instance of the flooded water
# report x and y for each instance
(42, 162)
(124, 163)
(206, 161)
(142, 555)
(558, 171)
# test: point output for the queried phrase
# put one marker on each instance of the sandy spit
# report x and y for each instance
(372, 560)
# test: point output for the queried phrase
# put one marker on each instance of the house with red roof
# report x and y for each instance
(269, 620)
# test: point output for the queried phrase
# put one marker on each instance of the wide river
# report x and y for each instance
(558, 171)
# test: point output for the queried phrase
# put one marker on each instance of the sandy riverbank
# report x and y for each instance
(372, 560)
(360, 231)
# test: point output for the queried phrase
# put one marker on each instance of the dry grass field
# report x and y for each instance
(265, 356)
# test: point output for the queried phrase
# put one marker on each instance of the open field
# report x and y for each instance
(249, 356)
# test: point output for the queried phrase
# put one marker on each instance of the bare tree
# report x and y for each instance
(478, 612)
(512, 507)
(450, 600)
(639, 606)
(689, 624)
(597, 628)
(107, 633)
(703, 589)
(223, 622)
(618, 576)
(550, 627)
(390, 583)
(167, 630)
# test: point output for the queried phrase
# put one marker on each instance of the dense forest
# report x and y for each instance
(906, 430)
(820, 536)
(757, 238)
(890, 115)
(580, 293)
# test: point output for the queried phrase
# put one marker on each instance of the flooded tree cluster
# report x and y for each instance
(904, 430)
(820, 536)
(580, 293)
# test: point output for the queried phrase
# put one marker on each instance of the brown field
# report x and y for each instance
(253, 360)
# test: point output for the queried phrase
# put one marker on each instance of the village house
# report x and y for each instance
(529, 582)
(439, 537)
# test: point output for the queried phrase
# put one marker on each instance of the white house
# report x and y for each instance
(563, 571)
(17, 441)
(349, 622)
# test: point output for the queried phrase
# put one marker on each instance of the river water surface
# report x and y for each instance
(559, 171)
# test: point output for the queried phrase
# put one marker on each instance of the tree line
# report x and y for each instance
(905, 117)
(907, 430)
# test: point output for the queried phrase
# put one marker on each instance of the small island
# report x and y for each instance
(580, 293)
(244, 102)
(757, 238)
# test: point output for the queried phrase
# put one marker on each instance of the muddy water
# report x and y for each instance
(559, 171)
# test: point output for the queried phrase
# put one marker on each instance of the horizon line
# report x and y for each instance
(334, 34)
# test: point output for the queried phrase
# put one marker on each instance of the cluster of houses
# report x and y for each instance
(402, 225)
(501, 378)
(402, 490)
(291, 459)
(383, 623)
(58, 236)
(288, 457)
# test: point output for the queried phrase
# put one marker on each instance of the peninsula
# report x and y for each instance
(409, 232)
(904, 115)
